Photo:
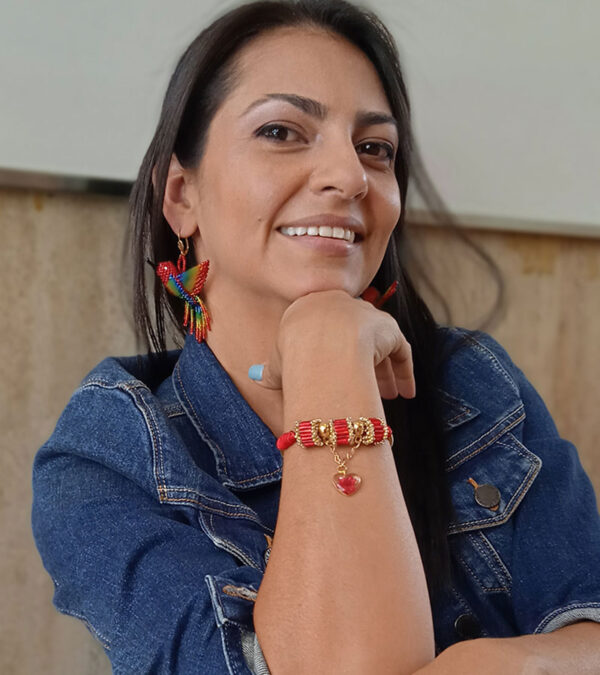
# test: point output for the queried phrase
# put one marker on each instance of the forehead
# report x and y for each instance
(310, 62)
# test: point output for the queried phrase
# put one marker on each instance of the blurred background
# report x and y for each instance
(506, 99)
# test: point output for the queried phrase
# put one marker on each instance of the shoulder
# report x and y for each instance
(477, 380)
(478, 373)
(125, 372)
(118, 417)
(468, 353)
(122, 386)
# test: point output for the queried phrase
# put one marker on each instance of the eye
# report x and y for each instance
(377, 150)
(277, 132)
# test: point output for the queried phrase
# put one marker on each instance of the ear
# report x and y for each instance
(178, 203)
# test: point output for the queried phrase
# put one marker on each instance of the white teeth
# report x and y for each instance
(321, 231)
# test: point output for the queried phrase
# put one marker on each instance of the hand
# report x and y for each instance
(332, 322)
(492, 656)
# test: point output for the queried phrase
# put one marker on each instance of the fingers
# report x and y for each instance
(402, 366)
(386, 380)
(265, 375)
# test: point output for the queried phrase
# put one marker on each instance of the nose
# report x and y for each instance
(338, 169)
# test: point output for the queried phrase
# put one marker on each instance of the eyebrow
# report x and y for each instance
(364, 118)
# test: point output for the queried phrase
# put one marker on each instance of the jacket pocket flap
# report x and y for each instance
(487, 488)
(246, 540)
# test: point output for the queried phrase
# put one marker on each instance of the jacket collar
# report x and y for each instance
(243, 446)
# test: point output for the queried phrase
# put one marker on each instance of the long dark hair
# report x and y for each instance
(202, 79)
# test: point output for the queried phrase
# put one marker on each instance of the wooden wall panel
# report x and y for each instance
(551, 320)
(64, 308)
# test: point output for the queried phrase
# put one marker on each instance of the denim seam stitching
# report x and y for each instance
(200, 427)
(479, 449)
(248, 480)
(230, 547)
(518, 496)
(182, 500)
(562, 610)
(134, 390)
(157, 454)
(491, 555)
(230, 662)
(494, 362)
(477, 580)
(222, 624)
(463, 413)
(212, 443)
(241, 507)
(490, 560)
(107, 384)
(244, 511)
(104, 641)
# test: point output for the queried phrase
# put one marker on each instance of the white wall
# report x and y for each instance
(506, 93)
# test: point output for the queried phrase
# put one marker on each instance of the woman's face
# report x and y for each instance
(305, 140)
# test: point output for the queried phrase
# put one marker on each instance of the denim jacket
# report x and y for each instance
(155, 503)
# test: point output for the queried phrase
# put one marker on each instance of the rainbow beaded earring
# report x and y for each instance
(187, 284)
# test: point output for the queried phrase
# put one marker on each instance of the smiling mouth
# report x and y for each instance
(343, 233)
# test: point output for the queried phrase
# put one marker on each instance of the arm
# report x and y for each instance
(344, 589)
(572, 649)
(143, 574)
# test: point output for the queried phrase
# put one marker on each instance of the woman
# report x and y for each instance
(166, 515)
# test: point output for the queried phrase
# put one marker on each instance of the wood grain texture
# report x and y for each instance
(64, 308)
(550, 324)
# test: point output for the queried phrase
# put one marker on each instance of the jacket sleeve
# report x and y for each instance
(556, 541)
(145, 578)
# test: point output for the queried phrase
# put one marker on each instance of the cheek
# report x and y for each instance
(260, 193)
(387, 206)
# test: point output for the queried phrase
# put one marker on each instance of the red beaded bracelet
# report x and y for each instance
(354, 433)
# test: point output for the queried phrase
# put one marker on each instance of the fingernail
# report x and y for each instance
(255, 372)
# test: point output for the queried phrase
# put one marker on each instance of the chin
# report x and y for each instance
(319, 285)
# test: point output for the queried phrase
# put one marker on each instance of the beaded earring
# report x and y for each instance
(187, 284)
(373, 296)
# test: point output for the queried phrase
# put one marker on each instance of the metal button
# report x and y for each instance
(467, 627)
(268, 549)
(486, 495)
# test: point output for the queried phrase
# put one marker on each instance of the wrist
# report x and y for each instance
(334, 367)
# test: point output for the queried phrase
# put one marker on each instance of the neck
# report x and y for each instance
(243, 332)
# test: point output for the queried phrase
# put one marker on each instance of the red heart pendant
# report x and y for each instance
(347, 484)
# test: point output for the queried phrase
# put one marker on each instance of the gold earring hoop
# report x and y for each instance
(183, 245)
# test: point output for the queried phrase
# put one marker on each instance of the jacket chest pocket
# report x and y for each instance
(486, 491)
(482, 562)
